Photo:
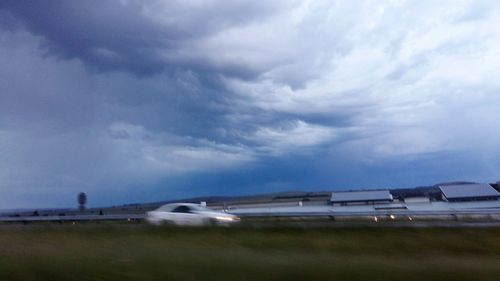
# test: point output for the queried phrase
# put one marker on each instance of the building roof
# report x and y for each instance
(355, 196)
(468, 190)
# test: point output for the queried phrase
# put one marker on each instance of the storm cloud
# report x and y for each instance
(152, 100)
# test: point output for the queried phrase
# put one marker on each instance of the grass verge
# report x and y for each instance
(147, 253)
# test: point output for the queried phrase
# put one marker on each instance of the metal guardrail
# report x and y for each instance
(74, 218)
(136, 217)
(370, 213)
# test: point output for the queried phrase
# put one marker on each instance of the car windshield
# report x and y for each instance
(182, 209)
(198, 208)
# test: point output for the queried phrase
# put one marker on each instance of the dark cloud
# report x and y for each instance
(143, 38)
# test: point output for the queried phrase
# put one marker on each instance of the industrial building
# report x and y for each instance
(417, 200)
(365, 197)
(469, 192)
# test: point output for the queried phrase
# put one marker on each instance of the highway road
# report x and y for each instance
(494, 214)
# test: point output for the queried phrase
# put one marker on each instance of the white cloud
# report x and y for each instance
(292, 137)
(399, 73)
(157, 155)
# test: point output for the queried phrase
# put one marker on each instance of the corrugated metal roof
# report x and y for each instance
(371, 195)
(468, 190)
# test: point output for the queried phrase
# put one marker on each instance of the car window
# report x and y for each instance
(201, 209)
(182, 209)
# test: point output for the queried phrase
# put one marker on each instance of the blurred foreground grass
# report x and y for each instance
(140, 252)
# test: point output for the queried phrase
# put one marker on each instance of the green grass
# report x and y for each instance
(117, 252)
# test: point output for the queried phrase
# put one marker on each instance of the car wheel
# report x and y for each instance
(167, 223)
(209, 222)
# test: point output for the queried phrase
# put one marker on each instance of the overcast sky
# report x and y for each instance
(137, 101)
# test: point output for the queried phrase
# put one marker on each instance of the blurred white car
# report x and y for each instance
(189, 214)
